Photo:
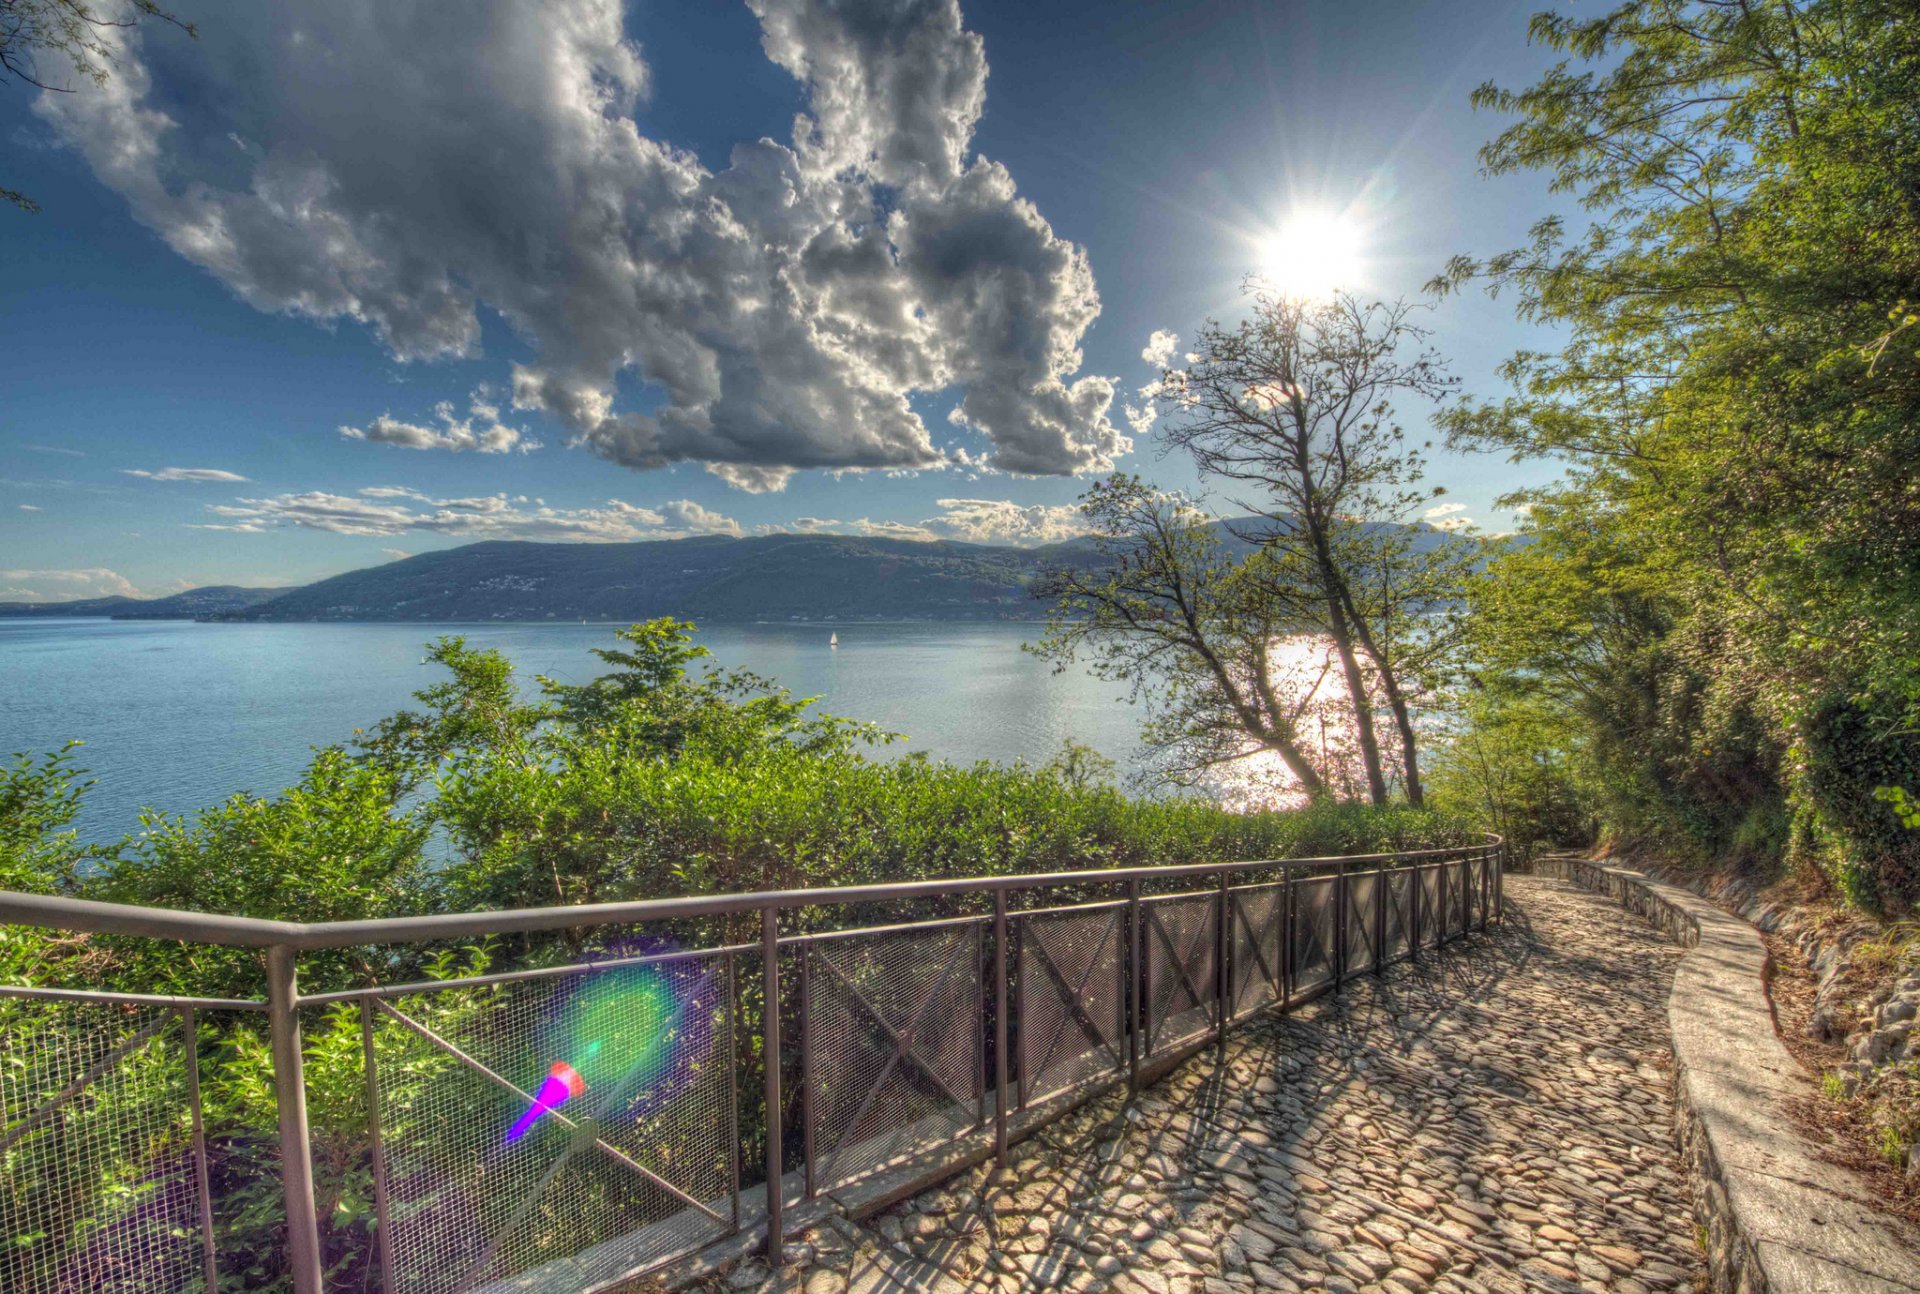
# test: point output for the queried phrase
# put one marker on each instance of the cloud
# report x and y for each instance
(1451, 524)
(56, 449)
(481, 431)
(1443, 510)
(30, 507)
(396, 553)
(184, 474)
(385, 511)
(973, 521)
(407, 173)
(865, 527)
(64, 585)
(688, 516)
(1160, 348)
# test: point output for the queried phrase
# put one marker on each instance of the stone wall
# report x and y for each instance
(1777, 1217)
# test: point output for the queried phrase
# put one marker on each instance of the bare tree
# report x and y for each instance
(1165, 608)
(78, 32)
(1297, 402)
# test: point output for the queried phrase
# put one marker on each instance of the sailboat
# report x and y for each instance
(833, 640)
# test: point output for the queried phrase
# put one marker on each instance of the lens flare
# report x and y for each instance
(619, 1028)
(562, 1084)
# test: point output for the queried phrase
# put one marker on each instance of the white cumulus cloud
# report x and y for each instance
(974, 521)
(185, 474)
(1443, 510)
(481, 431)
(405, 172)
(387, 511)
(20, 585)
(1160, 348)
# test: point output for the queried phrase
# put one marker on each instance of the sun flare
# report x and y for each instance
(1313, 254)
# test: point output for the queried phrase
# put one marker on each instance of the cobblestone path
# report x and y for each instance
(1496, 1118)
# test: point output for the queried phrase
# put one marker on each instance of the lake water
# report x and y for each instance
(176, 715)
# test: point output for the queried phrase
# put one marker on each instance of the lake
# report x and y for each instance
(176, 715)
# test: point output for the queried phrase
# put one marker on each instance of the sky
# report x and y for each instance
(330, 285)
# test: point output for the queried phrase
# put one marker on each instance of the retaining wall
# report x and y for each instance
(1778, 1218)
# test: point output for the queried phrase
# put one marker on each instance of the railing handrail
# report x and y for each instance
(90, 916)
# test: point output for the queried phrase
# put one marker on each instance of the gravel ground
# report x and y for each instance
(1497, 1118)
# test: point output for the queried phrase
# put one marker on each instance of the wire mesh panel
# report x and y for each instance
(1072, 1023)
(1258, 967)
(1178, 937)
(561, 1132)
(1363, 894)
(1433, 914)
(1399, 901)
(1313, 933)
(1456, 887)
(98, 1186)
(897, 1019)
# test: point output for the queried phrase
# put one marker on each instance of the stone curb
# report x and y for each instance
(1779, 1220)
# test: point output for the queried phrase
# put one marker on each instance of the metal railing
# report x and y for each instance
(578, 1124)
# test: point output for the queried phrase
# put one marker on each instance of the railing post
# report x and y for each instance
(1340, 925)
(733, 1090)
(1134, 1021)
(377, 1146)
(770, 1056)
(190, 1057)
(1000, 1027)
(1286, 937)
(806, 1062)
(290, 1096)
(1382, 894)
(1414, 891)
(1223, 963)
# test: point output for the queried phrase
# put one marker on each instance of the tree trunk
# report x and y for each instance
(1338, 630)
(1403, 723)
(1396, 701)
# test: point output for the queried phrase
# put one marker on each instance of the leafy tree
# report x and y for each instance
(1738, 397)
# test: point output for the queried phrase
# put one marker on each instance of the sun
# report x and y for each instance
(1313, 254)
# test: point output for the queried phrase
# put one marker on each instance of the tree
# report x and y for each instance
(1738, 395)
(77, 33)
(1165, 609)
(1297, 400)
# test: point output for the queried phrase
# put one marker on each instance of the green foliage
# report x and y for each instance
(661, 778)
(1511, 764)
(40, 851)
(1738, 401)
(1850, 750)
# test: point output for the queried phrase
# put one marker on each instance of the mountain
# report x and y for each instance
(193, 604)
(714, 578)
(711, 578)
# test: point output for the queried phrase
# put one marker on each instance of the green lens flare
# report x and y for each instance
(619, 1028)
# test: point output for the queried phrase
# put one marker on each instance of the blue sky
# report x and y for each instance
(251, 241)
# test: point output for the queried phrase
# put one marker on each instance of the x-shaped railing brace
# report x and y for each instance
(1070, 995)
(1254, 937)
(904, 1043)
(579, 1142)
(1179, 962)
(1318, 920)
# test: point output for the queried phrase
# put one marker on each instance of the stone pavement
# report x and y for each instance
(1496, 1118)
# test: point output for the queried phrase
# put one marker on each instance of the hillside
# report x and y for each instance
(775, 577)
(214, 600)
(713, 578)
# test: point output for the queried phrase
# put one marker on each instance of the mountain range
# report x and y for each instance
(709, 578)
